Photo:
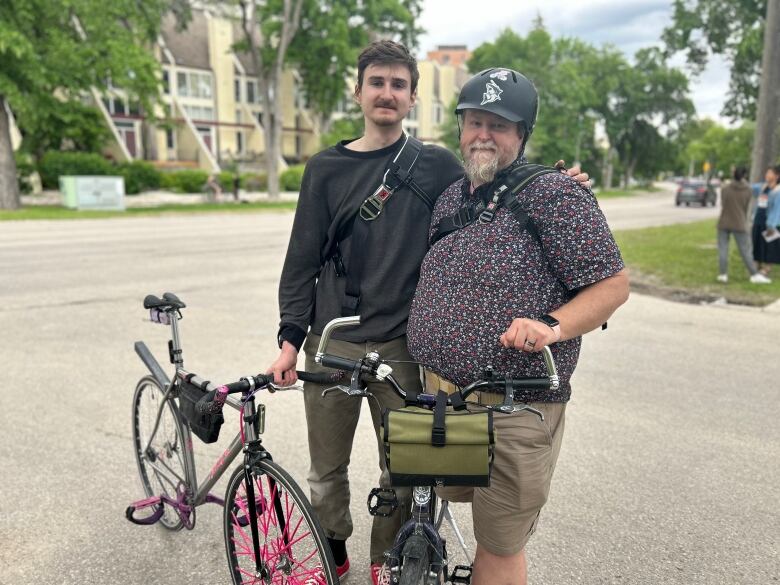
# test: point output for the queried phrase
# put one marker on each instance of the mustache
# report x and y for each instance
(489, 145)
(389, 105)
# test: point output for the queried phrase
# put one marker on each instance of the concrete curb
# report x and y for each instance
(155, 198)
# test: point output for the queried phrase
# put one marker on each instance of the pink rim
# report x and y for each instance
(293, 546)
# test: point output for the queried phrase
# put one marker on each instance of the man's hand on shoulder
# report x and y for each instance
(283, 367)
(575, 173)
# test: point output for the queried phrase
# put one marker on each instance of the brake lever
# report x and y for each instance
(513, 408)
(346, 390)
(274, 387)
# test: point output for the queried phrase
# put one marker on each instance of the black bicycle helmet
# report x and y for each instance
(503, 92)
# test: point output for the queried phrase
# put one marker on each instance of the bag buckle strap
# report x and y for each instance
(488, 213)
(373, 205)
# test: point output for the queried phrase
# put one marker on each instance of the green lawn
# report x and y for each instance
(57, 212)
(684, 258)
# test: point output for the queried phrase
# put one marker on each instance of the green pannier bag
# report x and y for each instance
(417, 454)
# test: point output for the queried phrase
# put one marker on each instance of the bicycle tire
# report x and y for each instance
(292, 543)
(162, 465)
(414, 571)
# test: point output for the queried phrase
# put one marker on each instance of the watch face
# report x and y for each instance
(549, 320)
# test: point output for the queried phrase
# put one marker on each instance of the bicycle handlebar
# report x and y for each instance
(214, 400)
(372, 365)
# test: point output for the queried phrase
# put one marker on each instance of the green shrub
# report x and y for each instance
(225, 180)
(168, 181)
(139, 176)
(290, 180)
(254, 182)
(55, 163)
(186, 181)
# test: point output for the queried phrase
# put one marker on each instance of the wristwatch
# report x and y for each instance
(552, 323)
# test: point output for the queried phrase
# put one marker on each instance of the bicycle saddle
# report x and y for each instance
(169, 300)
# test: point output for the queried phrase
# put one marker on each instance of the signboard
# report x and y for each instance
(80, 192)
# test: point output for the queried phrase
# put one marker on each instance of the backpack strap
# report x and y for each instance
(505, 194)
(397, 176)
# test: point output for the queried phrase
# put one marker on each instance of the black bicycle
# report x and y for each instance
(419, 555)
(271, 532)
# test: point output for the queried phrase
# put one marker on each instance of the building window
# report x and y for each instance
(181, 84)
(170, 139)
(240, 142)
(251, 91)
(259, 116)
(437, 113)
(413, 112)
(191, 84)
(166, 82)
(237, 89)
(199, 112)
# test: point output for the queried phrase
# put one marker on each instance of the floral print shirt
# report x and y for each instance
(475, 281)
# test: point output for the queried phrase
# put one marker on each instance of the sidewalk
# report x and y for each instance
(155, 198)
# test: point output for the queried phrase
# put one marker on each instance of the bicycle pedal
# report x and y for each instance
(382, 502)
(460, 574)
(153, 502)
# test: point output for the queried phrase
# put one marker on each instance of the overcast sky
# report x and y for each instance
(627, 24)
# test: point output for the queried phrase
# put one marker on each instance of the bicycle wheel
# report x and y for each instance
(414, 570)
(161, 459)
(291, 542)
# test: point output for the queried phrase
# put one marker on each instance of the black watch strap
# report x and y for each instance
(549, 320)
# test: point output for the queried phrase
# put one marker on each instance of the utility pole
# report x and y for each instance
(765, 142)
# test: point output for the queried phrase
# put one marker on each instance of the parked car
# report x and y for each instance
(696, 191)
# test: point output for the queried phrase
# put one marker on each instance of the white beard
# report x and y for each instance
(479, 169)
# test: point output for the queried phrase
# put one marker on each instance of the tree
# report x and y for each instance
(566, 97)
(639, 105)
(53, 53)
(722, 148)
(648, 105)
(747, 34)
(321, 39)
(341, 30)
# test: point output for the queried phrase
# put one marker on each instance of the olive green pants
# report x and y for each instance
(332, 421)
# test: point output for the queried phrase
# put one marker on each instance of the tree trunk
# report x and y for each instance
(768, 115)
(608, 168)
(630, 166)
(9, 188)
(273, 130)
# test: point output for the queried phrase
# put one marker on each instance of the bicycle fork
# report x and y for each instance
(417, 537)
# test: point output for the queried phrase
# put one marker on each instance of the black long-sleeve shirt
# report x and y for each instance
(335, 183)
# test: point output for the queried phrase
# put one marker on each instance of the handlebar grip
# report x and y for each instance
(338, 363)
(530, 383)
(322, 377)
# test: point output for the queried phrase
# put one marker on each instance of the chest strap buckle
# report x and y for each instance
(373, 205)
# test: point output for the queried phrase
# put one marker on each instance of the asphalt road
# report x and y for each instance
(669, 471)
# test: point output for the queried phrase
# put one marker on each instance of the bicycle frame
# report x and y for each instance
(195, 495)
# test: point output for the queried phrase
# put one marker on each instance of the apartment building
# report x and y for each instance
(212, 113)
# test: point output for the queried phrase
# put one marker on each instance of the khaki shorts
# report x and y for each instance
(506, 513)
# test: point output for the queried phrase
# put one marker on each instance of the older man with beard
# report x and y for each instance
(494, 291)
